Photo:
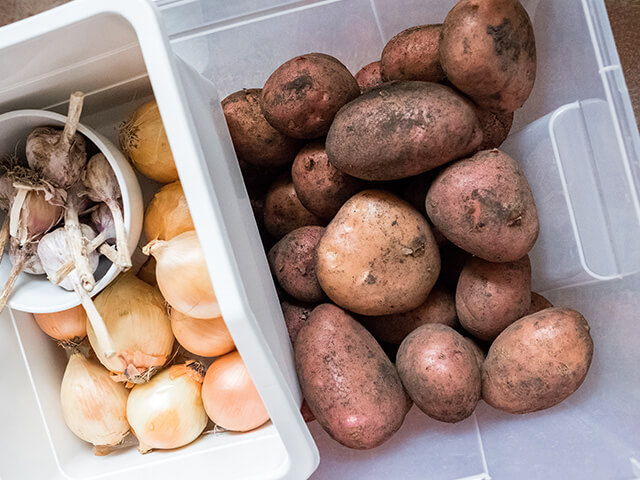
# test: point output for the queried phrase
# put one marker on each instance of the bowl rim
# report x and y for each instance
(118, 165)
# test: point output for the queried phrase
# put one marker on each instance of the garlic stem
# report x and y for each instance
(124, 258)
(95, 244)
(73, 120)
(76, 242)
(102, 335)
(4, 236)
(16, 269)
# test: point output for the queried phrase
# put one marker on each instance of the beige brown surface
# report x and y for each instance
(14, 10)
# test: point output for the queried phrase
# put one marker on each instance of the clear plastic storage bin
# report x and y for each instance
(576, 138)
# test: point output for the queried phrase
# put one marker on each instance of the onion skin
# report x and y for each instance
(144, 140)
(230, 397)
(135, 316)
(93, 405)
(167, 412)
(183, 277)
(68, 326)
(207, 337)
(167, 215)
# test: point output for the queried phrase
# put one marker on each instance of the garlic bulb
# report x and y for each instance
(94, 406)
(183, 277)
(137, 322)
(167, 215)
(102, 220)
(69, 327)
(32, 215)
(167, 411)
(230, 397)
(207, 337)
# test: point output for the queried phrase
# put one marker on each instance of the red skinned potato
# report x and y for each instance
(349, 383)
(538, 361)
(491, 296)
(283, 211)
(440, 307)
(295, 315)
(303, 95)
(477, 351)
(538, 302)
(413, 54)
(484, 205)
(293, 263)
(410, 128)
(495, 128)
(488, 51)
(378, 255)
(440, 372)
(369, 76)
(254, 139)
(322, 188)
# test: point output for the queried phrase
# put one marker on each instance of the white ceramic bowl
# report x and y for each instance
(35, 293)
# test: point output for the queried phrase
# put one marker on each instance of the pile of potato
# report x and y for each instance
(397, 221)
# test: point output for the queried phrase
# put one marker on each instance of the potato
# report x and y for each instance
(413, 54)
(477, 351)
(410, 127)
(495, 128)
(351, 386)
(491, 296)
(538, 361)
(369, 76)
(440, 307)
(283, 211)
(378, 255)
(293, 263)
(440, 372)
(484, 205)
(321, 188)
(254, 139)
(538, 302)
(488, 51)
(303, 95)
(295, 315)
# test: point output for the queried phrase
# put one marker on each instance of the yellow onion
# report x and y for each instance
(94, 406)
(230, 397)
(207, 337)
(183, 277)
(144, 140)
(136, 319)
(167, 412)
(69, 327)
(168, 214)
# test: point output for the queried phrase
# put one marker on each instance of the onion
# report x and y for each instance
(147, 272)
(167, 412)
(144, 140)
(137, 321)
(205, 337)
(69, 327)
(183, 277)
(230, 397)
(167, 215)
(94, 406)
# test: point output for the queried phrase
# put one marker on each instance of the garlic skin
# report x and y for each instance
(32, 264)
(167, 412)
(102, 221)
(94, 406)
(230, 397)
(54, 253)
(137, 322)
(183, 277)
(32, 215)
